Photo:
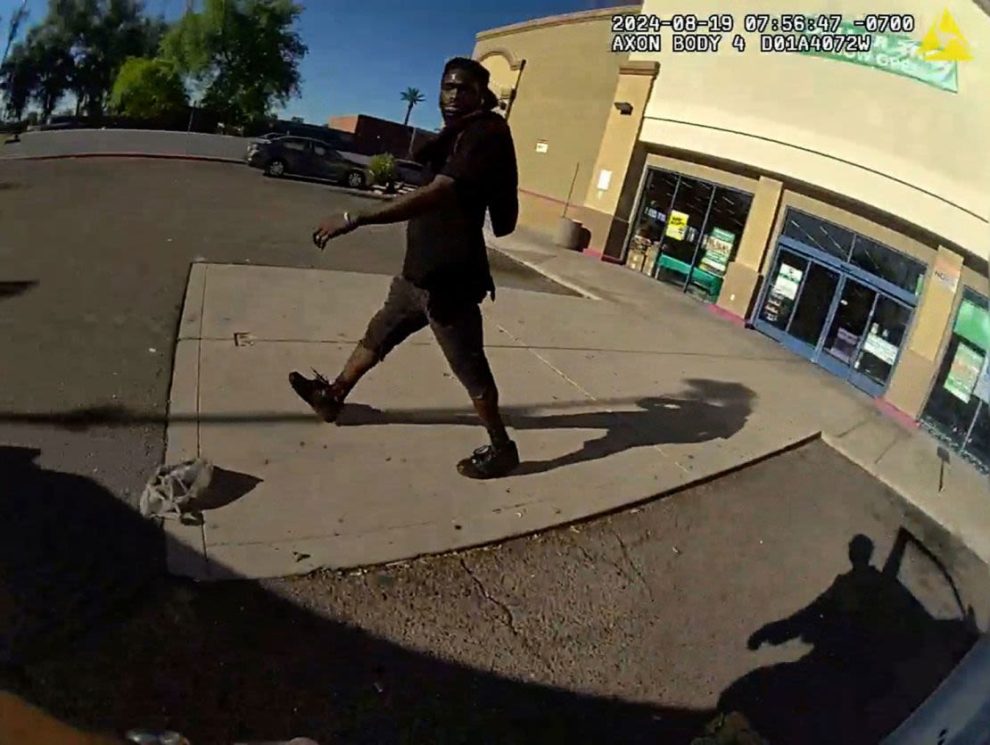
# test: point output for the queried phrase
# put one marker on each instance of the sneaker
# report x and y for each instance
(319, 393)
(489, 462)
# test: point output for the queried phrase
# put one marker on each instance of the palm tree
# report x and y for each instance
(412, 96)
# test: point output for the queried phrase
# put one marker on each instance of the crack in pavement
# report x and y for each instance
(594, 561)
(635, 567)
(509, 616)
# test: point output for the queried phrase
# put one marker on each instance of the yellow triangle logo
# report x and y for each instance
(944, 42)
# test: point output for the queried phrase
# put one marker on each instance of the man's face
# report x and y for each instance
(460, 94)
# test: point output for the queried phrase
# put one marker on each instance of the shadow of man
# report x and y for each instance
(237, 661)
(706, 410)
(69, 552)
(877, 653)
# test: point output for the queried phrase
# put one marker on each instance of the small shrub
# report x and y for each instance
(382, 169)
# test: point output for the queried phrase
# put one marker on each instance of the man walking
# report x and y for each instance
(469, 168)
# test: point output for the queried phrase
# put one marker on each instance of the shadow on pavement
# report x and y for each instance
(877, 654)
(15, 288)
(226, 487)
(707, 410)
(229, 661)
(232, 661)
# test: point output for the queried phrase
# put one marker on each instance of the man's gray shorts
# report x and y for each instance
(455, 321)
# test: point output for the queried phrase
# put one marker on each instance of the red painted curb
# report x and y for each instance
(726, 315)
(159, 156)
(889, 410)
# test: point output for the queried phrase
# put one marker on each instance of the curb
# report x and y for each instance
(158, 156)
(552, 276)
(370, 194)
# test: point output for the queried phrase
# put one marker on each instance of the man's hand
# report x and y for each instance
(334, 226)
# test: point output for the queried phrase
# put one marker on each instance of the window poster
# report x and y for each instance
(718, 249)
(788, 281)
(677, 225)
(964, 373)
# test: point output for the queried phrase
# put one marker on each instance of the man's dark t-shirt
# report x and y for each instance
(445, 249)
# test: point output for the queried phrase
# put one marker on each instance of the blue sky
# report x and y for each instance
(363, 54)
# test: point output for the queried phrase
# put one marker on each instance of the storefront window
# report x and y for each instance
(684, 224)
(687, 232)
(722, 231)
(956, 410)
(840, 299)
(657, 197)
(817, 233)
(862, 252)
(783, 290)
(888, 327)
(888, 264)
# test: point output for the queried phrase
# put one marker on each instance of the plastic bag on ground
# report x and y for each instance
(172, 489)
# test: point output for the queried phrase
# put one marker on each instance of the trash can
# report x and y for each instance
(568, 233)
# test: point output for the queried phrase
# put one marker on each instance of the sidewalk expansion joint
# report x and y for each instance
(546, 362)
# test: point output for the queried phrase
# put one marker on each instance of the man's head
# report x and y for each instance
(860, 551)
(464, 89)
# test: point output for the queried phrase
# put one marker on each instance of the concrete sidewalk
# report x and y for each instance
(951, 492)
(609, 408)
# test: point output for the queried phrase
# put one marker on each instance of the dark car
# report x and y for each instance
(301, 156)
(409, 172)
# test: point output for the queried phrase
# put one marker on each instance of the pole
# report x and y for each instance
(570, 191)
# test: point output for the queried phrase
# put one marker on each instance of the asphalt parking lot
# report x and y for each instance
(823, 614)
(634, 628)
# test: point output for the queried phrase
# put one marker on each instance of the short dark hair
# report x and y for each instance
(472, 67)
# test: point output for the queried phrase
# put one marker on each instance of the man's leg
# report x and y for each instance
(459, 331)
(401, 316)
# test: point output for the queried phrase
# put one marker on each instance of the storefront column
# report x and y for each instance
(919, 360)
(742, 277)
(609, 178)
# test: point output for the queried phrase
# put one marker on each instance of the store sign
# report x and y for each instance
(947, 272)
(677, 225)
(964, 373)
(900, 55)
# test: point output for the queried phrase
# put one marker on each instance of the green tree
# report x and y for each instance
(18, 80)
(148, 88)
(242, 54)
(101, 35)
(44, 67)
(412, 96)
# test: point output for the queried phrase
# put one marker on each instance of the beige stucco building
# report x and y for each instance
(836, 200)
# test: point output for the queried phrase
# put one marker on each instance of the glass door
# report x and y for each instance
(797, 302)
(882, 346)
(864, 336)
(847, 326)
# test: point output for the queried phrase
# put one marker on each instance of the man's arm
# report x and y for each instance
(419, 202)
(414, 204)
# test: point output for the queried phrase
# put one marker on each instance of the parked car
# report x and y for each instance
(409, 172)
(302, 156)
